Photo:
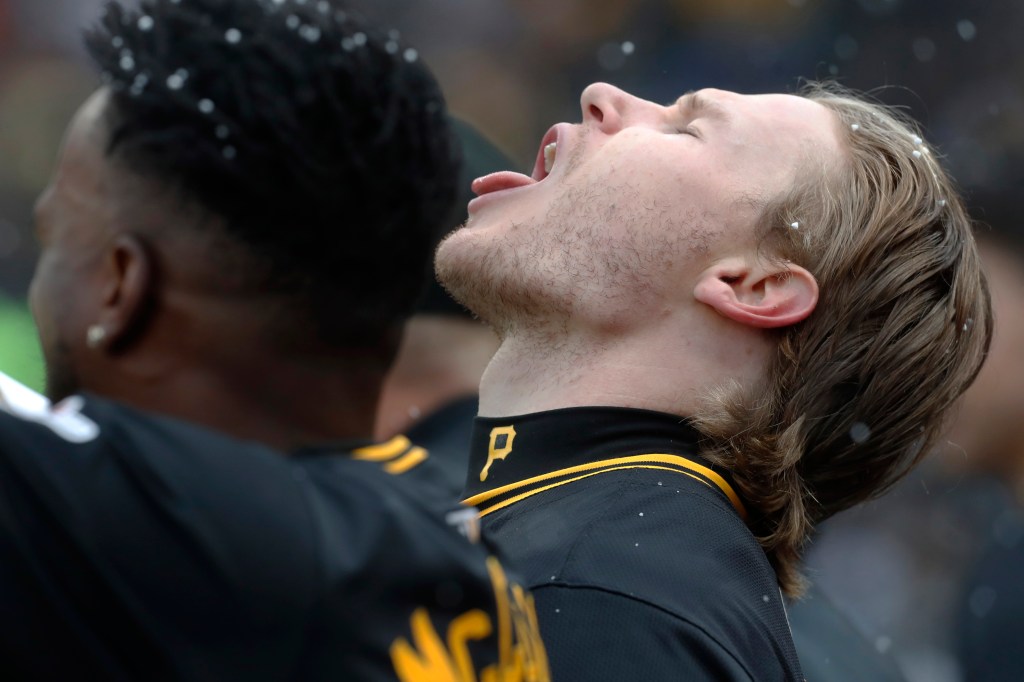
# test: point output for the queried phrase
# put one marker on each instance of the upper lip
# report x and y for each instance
(553, 135)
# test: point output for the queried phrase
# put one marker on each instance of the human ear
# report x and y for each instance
(128, 281)
(762, 294)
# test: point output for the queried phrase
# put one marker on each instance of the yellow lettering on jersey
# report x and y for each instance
(495, 453)
(521, 655)
(521, 658)
(474, 625)
(429, 661)
(535, 657)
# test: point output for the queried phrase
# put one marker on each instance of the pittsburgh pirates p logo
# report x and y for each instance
(501, 446)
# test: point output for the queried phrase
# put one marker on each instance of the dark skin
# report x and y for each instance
(182, 332)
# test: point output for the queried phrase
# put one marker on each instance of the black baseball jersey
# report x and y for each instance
(139, 547)
(445, 434)
(399, 457)
(634, 547)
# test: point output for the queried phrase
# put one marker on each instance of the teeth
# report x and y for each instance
(549, 156)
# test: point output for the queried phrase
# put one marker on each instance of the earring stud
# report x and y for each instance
(95, 336)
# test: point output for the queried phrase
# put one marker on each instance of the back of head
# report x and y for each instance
(319, 144)
(856, 394)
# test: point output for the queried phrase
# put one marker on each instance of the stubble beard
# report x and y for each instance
(589, 257)
(499, 281)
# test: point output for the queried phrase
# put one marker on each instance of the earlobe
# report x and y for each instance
(760, 297)
(127, 291)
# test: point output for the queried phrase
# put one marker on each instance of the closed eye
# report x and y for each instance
(690, 130)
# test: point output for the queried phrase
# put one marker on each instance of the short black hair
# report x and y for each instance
(322, 142)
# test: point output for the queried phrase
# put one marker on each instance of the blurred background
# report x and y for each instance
(906, 568)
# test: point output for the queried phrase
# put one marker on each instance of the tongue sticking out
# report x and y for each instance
(495, 182)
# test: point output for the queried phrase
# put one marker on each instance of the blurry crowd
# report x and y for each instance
(905, 568)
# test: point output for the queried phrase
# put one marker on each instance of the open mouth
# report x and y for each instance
(547, 155)
(547, 160)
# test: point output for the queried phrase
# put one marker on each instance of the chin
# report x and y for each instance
(456, 252)
(452, 270)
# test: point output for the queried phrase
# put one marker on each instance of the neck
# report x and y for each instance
(215, 363)
(667, 368)
(286, 407)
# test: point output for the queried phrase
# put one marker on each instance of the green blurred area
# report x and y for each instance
(20, 356)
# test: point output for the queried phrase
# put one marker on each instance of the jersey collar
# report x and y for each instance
(516, 457)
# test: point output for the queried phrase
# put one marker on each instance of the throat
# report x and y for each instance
(284, 408)
(529, 376)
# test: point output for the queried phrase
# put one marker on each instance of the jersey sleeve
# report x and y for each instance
(406, 459)
(613, 637)
(437, 606)
(139, 547)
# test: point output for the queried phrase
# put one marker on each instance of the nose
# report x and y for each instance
(608, 107)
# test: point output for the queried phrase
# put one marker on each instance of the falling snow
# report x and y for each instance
(310, 34)
(966, 29)
(846, 47)
(981, 600)
(860, 432)
(924, 49)
(177, 79)
(883, 643)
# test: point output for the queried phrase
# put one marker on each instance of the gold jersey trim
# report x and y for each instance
(396, 456)
(499, 499)
(382, 452)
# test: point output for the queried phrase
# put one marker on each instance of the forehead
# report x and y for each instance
(778, 118)
(773, 140)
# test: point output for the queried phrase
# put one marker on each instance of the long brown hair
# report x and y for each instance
(856, 394)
